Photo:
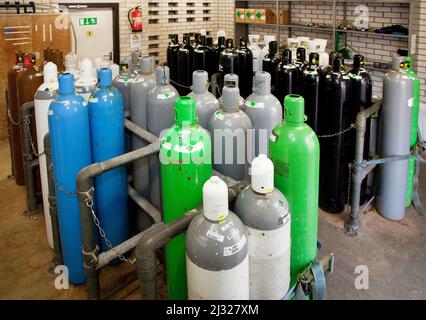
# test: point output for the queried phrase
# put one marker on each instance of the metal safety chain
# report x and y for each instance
(57, 185)
(27, 121)
(15, 123)
(352, 126)
(88, 200)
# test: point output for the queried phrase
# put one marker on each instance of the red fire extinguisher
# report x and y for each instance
(135, 19)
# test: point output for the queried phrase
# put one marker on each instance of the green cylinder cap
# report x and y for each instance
(185, 111)
(294, 108)
(409, 63)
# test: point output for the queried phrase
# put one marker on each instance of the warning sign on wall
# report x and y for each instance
(135, 41)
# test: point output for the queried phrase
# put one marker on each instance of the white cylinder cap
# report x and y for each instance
(86, 68)
(262, 174)
(71, 60)
(115, 70)
(215, 199)
(50, 75)
(98, 62)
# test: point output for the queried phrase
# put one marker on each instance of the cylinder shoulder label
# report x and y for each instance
(231, 250)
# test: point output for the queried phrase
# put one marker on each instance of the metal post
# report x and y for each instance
(29, 163)
(52, 204)
(358, 171)
(9, 134)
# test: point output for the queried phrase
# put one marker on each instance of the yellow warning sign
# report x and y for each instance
(89, 33)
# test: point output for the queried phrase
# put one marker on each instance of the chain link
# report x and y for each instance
(352, 126)
(57, 185)
(15, 123)
(89, 203)
(27, 122)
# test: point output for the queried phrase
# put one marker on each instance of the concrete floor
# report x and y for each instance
(394, 253)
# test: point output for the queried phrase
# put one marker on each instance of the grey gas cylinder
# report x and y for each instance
(160, 115)
(122, 83)
(265, 212)
(228, 128)
(394, 141)
(140, 85)
(265, 112)
(216, 249)
(206, 102)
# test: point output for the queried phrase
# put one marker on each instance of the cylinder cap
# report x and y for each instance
(66, 83)
(50, 75)
(294, 106)
(146, 64)
(231, 97)
(262, 174)
(215, 199)
(262, 83)
(136, 56)
(104, 77)
(314, 58)
(398, 63)
(185, 111)
(301, 54)
(286, 56)
(199, 81)
(86, 68)
(162, 74)
(231, 79)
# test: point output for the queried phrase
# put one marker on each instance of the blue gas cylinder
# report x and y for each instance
(71, 152)
(107, 139)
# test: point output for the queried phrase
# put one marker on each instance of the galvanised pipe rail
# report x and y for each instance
(358, 172)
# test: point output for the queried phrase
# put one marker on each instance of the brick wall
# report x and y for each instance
(374, 48)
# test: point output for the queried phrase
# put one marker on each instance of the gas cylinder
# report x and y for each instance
(217, 260)
(106, 118)
(139, 88)
(27, 83)
(211, 57)
(185, 64)
(362, 89)
(265, 50)
(185, 156)
(337, 152)
(201, 55)
(256, 51)
(264, 211)
(228, 128)
(231, 80)
(42, 99)
(329, 68)
(71, 65)
(395, 140)
(86, 84)
(206, 103)
(122, 82)
(286, 74)
(270, 62)
(135, 59)
(294, 150)
(14, 116)
(265, 113)
(228, 61)
(311, 85)
(160, 115)
(414, 128)
(218, 51)
(70, 146)
(172, 57)
(245, 70)
(196, 41)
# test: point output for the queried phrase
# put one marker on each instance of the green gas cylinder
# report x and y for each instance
(414, 128)
(185, 157)
(294, 150)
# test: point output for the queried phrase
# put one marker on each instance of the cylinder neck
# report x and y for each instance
(229, 43)
(202, 41)
(146, 65)
(273, 48)
(286, 56)
(104, 77)
(243, 42)
(199, 81)
(231, 98)
(358, 59)
(262, 83)
(174, 39)
(185, 113)
(314, 59)
(231, 79)
(186, 38)
(162, 75)
(209, 41)
(301, 54)
(337, 62)
(221, 41)
(66, 84)
(294, 106)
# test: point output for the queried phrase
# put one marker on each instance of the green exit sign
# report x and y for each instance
(88, 21)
